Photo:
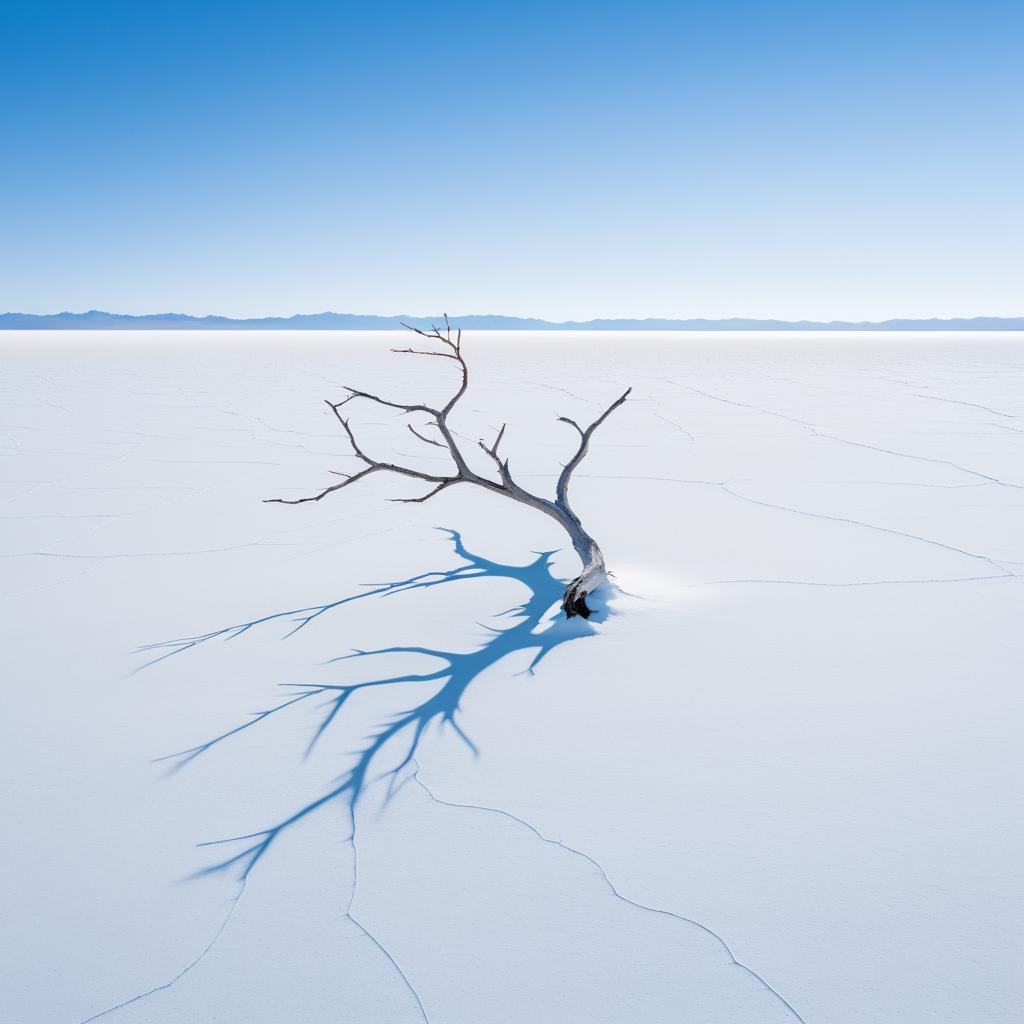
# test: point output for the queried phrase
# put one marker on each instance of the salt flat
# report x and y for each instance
(789, 740)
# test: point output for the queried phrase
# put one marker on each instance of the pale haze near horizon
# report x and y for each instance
(851, 163)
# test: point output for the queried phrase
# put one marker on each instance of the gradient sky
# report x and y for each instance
(562, 160)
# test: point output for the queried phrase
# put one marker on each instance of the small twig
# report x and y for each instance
(327, 490)
(572, 423)
(382, 401)
(493, 450)
(437, 490)
(436, 444)
(420, 352)
(434, 334)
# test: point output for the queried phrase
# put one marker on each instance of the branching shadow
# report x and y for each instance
(537, 627)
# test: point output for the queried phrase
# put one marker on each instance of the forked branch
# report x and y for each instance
(565, 476)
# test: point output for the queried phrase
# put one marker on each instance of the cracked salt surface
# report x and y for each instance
(791, 739)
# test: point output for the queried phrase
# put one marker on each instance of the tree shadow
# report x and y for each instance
(537, 626)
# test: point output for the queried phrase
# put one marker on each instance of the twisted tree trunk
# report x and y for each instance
(574, 600)
(594, 573)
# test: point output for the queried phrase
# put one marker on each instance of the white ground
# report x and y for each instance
(796, 727)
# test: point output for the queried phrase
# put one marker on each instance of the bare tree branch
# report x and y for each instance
(574, 599)
(562, 489)
(462, 388)
(456, 353)
(508, 485)
(383, 401)
(493, 450)
(434, 334)
(348, 430)
(436, 444)
(420, 352)
(329, 490)
(426, 497)
(572, 423)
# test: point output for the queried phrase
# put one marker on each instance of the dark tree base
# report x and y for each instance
(574, 605)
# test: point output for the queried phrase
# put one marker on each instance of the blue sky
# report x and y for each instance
(563, 160)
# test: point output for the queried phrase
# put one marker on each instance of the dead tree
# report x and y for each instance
(574, 600)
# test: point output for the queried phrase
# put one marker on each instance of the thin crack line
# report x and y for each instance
(970, 405)
(678, 426)
(843, 440)
(366, 931)
(181, 974)
(919, 458)
(741, 405)
(855, 583)
(227, 920)
(159, 554)
(611, 885)
(869, 526)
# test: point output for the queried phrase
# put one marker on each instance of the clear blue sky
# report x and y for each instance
(563, 160)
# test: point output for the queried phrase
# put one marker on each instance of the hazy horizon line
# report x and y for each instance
(329, 319)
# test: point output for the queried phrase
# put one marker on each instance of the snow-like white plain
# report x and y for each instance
(789, 740)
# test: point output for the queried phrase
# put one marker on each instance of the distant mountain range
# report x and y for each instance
(96, 320)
